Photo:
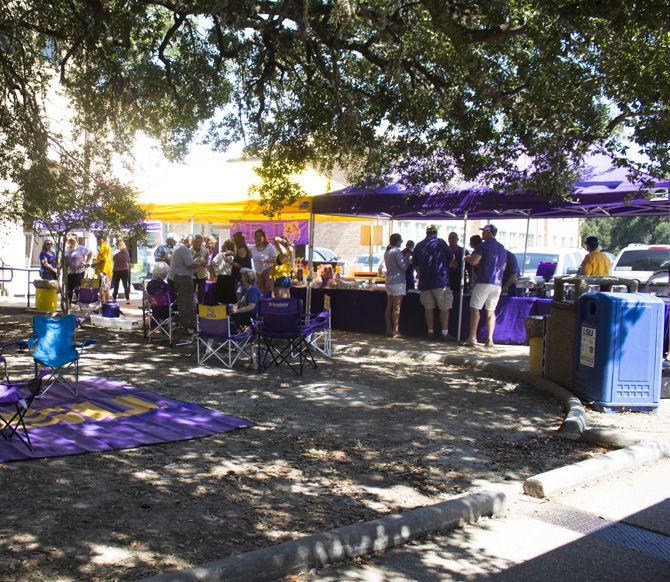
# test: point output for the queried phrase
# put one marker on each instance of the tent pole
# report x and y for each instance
(525, 246)
(192, 226)
(462, 290)
(310, 261)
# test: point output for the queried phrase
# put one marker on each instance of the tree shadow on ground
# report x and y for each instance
(350, 441)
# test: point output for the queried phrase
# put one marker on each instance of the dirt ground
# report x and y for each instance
(350, 441)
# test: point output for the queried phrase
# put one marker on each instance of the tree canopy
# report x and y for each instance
(426, 89)
(616, 233)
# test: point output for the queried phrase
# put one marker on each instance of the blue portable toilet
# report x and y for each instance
(619, 350)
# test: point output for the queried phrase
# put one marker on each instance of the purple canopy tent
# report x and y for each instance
(602, 191)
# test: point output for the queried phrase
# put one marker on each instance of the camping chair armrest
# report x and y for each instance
(26, 343)
(15, 344)
(85, 344)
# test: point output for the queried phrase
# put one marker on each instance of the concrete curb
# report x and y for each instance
(546, 484)
(318, 550)
(574, 422)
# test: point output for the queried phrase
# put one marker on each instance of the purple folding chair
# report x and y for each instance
(283, 337)
(318, 332)
(88, 302)
(19, 396)
(157, 314)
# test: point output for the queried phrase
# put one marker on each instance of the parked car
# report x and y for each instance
(362, 263)
(323, 255)
(641, 262)
(568, 260)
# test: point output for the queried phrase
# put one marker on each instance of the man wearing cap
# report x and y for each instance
(164, 251)
(432, 257)
(596, 263)
(490, 257)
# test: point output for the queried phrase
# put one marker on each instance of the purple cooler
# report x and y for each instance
(546, 269)
(111, 310)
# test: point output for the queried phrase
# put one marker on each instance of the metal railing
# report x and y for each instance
(8, 270)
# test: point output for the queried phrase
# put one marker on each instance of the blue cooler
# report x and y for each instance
(619, 350)
(111, 309)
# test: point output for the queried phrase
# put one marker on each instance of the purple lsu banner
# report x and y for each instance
(109, 415)
(296, 231)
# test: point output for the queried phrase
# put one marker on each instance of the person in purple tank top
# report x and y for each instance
(491, 258)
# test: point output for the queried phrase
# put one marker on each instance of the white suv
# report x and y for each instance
(640, 261)
(567, 260)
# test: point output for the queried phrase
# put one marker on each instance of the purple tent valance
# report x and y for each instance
(601, 192)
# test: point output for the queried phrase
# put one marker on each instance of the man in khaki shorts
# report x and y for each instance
(431, 259)
(490, 257)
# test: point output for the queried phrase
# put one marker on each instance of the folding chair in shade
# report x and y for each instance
(318, 333)
(19, 397)
(283, 337)
(158, 316)
(54, 351)
(217, 338)
(88, 302)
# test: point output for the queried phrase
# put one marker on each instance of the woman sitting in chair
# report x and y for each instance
(247, 307)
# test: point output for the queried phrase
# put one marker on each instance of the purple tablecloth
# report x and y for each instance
(363, 311)
(666, 329)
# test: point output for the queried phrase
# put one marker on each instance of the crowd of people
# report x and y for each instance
(438, 264)
(239, 275)
(490, 271)
(236, 275)
(111, 269)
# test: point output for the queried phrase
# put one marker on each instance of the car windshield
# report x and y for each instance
(643, 260)
(327, 254)
(534, 259)
(365, 260)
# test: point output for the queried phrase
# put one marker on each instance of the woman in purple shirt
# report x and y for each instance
(121, 271)
(48, 262)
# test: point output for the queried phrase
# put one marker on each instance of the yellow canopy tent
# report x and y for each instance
(219, 192)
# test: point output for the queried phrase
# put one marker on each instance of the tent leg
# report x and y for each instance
(310, 261)
(462, 290)
(525, 246)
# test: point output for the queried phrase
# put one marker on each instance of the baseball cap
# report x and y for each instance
(171, 236)
(592, 240)
(492, 229)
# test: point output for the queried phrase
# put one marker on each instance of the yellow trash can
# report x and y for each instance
(535, 356)
(46, 295)
(535, 331)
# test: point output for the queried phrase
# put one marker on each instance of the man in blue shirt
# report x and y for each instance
(491, 258)
(432, 257)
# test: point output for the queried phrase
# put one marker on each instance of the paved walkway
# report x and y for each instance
(614, 529)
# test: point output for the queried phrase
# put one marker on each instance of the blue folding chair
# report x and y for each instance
(20, 396)
(54, 351)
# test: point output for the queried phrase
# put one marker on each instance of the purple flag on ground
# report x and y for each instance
(110, 415)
